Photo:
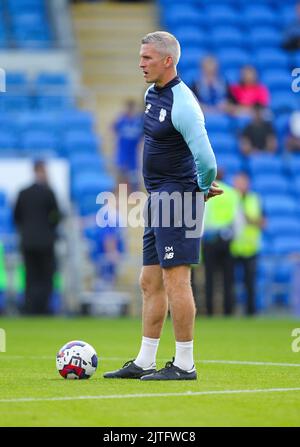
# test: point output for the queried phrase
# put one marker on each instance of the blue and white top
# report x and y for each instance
(176, 148)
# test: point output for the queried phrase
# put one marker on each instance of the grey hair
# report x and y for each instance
(165, 43)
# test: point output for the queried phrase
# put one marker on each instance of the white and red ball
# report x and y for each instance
(76, 360)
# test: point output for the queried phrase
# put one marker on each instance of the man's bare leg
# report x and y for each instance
(155, 307)
(155, 301)
(177, 281)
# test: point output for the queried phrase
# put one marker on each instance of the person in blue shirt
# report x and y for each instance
(128, 129)
(210, 88)
(178, 159)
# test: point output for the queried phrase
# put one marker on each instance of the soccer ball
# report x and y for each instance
(76, 360)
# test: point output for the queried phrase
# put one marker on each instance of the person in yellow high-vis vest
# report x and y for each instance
(220, 225)
(246, 245)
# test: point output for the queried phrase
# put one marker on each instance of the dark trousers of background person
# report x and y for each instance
(39, 268)
(217, 257)
(249, 278)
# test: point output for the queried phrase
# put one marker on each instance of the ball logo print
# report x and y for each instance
(76, 360)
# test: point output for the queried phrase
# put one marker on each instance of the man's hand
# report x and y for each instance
(213, 191)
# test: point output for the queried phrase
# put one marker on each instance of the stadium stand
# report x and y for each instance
(40, 115)
(40, 118)
(238, 33)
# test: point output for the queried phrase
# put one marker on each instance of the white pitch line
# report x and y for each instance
(145, 395)
(122, 359)
(245, 362)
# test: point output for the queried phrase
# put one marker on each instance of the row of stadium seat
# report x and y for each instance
(25, 24)
(19, 80)
(210, 16)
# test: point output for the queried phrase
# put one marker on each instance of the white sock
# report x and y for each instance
(147, 356)
(184, 358)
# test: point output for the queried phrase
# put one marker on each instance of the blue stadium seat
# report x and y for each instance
(36, 141)
(8, 140)
(286, 245)
(175, 17)
(282, 226)
(262, 164)
(222, 37)
(264, 59)
(262, 37)
(91, 184)
(281, 123)
(189, 75)
(16, 80)
(230, 163)
(293, 164)
(297, 186)
(15, 102)
(286, 13)
(277, 79)
(45, 121)
(254, 15)
(76, 141)
(232, 75)
(283, 101)
(190, 37)
(51, 79)
(87, 205)
(223, 143)
(30, 21)
(25, 5)
(279, 204)
(270, 184)
(231, 58)
(5, 220)
(3, 199)
(55, 102)
(217, 122)
(191, 58)
(80, 120)
(223, 15)
(80, 162)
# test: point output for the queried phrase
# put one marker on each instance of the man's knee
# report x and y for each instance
(177, 280)
(151, 282)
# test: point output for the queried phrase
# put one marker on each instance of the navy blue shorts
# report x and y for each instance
(174, 240)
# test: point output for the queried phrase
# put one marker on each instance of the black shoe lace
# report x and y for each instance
(167, 366)
(128, 363)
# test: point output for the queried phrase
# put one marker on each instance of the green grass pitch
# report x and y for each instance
(229, 391)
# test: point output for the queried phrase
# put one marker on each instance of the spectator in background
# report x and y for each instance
(220, 217)
(246, 93)
(128, 130)
(107, 235)
(293, 136)
(210, 88)
(36, 216)
(246, 244)
(259, 135)
(291, 36)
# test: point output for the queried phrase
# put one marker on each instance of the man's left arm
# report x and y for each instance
(188, 119)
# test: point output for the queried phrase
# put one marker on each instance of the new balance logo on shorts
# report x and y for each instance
(169, 253)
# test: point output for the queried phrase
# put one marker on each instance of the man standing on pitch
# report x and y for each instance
(178, 158)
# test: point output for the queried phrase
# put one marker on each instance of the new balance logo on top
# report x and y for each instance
(169, 253)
